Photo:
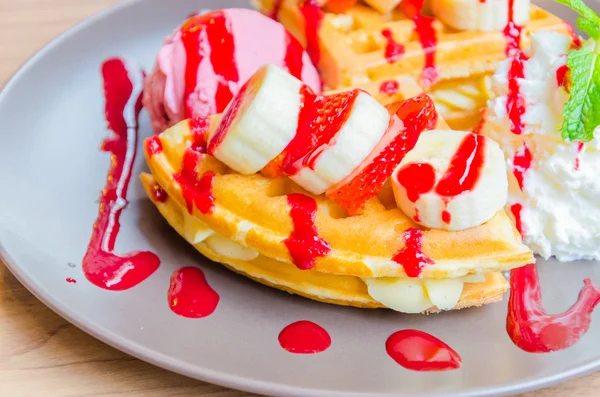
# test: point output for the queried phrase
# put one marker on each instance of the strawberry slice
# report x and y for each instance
(410, 118)
(340, 6)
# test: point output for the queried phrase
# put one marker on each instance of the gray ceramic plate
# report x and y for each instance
(52, 172)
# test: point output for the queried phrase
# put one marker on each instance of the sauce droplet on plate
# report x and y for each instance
(123, 86)
(418, 351)
(190, 295)
(304, 337)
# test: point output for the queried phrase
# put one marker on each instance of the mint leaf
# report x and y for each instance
(582, 9)
(581, 115)
(590, 27)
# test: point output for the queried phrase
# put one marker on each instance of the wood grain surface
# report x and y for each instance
(40, 353)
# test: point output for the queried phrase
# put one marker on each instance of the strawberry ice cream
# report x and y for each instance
(204, 63)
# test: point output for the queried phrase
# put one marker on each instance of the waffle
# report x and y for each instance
(251, 212)
(352, 50)
(328, 288)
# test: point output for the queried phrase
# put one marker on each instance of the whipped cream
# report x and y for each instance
(554, 189)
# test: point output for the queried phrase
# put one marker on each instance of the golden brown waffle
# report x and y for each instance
(323, 287)
(253, 212)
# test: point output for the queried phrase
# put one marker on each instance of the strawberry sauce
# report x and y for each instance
(515, 102)
(580, 148)
(190, 295)
(465, 167)
(304, 243)
(274, 14)
(427, 37)
(71, 280)
(123, 85)
(304, 337)
(516, 209)
(411, 257)
(574, 37)
(313, 17)
(418, 351)
(390, 87)
(153, 146)
(199, 126)
(521, 164)
(393, 50)
(196, 191)
(158, 194)
(531, 328)
(417, 179)
(202, 36)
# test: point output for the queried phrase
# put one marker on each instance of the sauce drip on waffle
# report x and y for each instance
(393, 50)
(190, 295)
(411, 257)
(158, 194)
(304, 337)
(531, 328)
(196, 191)
(304, 243)
(516, 209)
(418, 351)
(123, 85)
(313, 17)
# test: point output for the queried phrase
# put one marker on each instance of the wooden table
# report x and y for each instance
(40, 353)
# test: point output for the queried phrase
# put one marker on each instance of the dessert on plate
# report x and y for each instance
(293, 189)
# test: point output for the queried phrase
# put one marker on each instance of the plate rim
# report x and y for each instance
(224, 379)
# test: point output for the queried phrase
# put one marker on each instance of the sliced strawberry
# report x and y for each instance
(411, 117)
(340, 6)
(320, 119)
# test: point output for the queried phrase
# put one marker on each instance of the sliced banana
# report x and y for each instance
(488, 15)
(227, 248)
(383, 6)
(259, 122)
(195, 231)
(366, 124)
(480, 178)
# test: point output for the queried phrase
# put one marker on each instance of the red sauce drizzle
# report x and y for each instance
(393, 50)
(190, 295)
(446, 217)
(304, 243)
(101, 266)
(227, 119)
(521, 164)
(71, 280)
(535, 331)
(199, 127)
(465, 167)
(516, 210)
(210, 35)
(274, 14)
(154, 145)
(313, 17)
(319, 121)
(389, 87)
(158, 194)
(515, 102)
(294, 60)
(417, 179)
(562, 77)
(512, 32)
(419, 351)
(580, 147)
(574, 37)
(411, 257)
(196, 191)
(304, 337)
(427, 38)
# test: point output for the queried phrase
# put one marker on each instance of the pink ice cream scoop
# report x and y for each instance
(204, 63)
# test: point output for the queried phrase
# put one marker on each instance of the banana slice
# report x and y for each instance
(227, 248)
(259, 122)
(358, 136)
(488, 15)
(195, 231)
(451, 180)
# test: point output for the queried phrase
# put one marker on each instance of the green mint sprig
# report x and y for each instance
(582, 111)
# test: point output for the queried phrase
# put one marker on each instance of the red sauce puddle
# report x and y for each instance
(411, 257)
(304, 243)
(521, 164)
(313, 17)
(71, 280)
(304, 337)
(531, 328)
(419, 351)
(123, 85)
(212, 38)
(190, 295)
(393, 50)
(427, 37)
(390, 87)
